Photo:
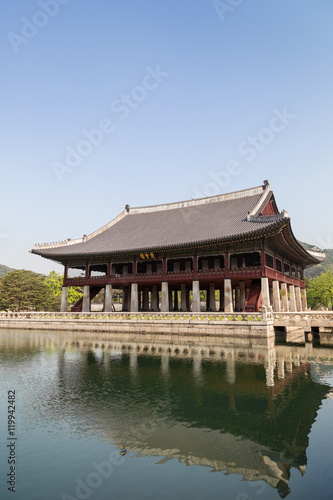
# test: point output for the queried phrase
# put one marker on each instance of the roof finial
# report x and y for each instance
(127, 207)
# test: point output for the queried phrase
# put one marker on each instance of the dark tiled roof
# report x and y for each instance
(220, 217)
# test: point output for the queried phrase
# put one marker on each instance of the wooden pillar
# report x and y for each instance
(145, 299)
(242, 295)
(125, 299)
(154, 299)
(228, 300)
(221, 299)
(183, 304)
(284, 297)
(292, 306)
(134, 297)
(196, 296)
(65, 272)
(170, 292)
(265, 293)
(64, 299)
(212, 301)
(175, 301)
(188, 308)
(207, 299)
(86, 299)
(108, 298)
(276, 296)
(304, 300)
(165, 297)
(237, 298)
(298, 299)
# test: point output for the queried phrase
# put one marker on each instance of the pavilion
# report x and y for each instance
(237, 247)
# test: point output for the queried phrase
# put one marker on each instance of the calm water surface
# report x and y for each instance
(99, 418)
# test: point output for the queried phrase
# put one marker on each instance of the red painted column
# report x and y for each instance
(195, 266)
(164, 268)
(226, 265)
(65, 273)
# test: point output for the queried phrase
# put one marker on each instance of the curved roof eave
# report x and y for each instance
(257, 233)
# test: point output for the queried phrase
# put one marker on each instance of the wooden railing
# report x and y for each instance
(254, 272)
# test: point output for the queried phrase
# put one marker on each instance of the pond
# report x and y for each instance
(89, 416)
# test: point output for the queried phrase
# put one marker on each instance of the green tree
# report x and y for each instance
(55, 281)
(320, 291)
(22, 290)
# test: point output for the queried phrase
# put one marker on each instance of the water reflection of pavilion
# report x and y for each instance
(241, 411)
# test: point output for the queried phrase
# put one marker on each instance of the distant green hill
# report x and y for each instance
(4, 270)
(327, 265)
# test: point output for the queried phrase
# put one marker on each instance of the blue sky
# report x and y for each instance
(161, 101)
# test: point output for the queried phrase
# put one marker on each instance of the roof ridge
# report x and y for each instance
(199, 201)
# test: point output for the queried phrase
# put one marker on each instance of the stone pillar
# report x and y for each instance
(212, 301)
(280, 366)
(165, 297)
(231, 369)
(165, 367)
(237, 298)
(134, 297)
(221, 299)
(298, 298)
(64, 299)
(86, 299)
(276, 296)
(183, 305)
(284, 297)
(145, 299)
(270, 373)
(196, 296)
(242, 295)
(134, 362)
(228, 301)
(265, 293)
(292, 306)
(108, 298)
(304, 301)
(154, 299)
